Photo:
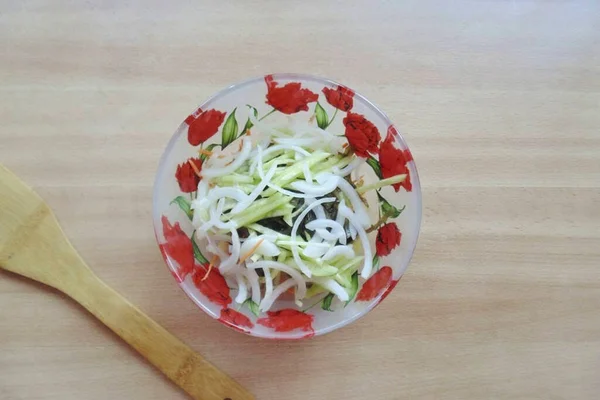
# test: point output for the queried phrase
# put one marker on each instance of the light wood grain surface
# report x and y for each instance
(499, 101)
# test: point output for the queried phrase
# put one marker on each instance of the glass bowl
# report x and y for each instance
(281, 98)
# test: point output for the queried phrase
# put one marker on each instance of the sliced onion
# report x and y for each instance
(326, 235)
(268, 283)
(252, 277)
(267, 302)
(215, 214)
(261, 173)
(242, 288)
(296, 243)
(318, 210)
(323, 188)
(292, 147)
(353, 232)
(245, 203)
(202, 189)
(288, 192)
(254, 158)
(232, 260)
(337, 230)
(355, 163)
(337, 251)
(214, 248)
(333, 287)
(266, 248)
(314, 251)
(303, 267)
(320, 214)
(357, 204)
(295, 275)
(217, 193)
(307, 173)
(240, 158)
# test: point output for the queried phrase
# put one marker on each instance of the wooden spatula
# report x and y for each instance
(32, 244)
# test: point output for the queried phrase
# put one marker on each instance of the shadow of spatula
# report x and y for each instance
(32, 244)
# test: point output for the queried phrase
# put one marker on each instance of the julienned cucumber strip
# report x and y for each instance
(319, 269)
(282, 256)
(295, 170)
(344, 276)
(314, 290)
(334, 161)
(324, 270)
(280, 161)
(246, 188)
(351, 265)
(232, 179)
(284, 211)
(264, 230)
(381, 183)
(353, 288)
(259, 209)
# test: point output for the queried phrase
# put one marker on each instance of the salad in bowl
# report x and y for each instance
(287, 206)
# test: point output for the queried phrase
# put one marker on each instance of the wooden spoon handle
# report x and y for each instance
(200, 379)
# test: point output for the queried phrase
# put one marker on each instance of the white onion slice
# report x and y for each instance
(337, 251)
(357, 204)
(296, 243)
(202, 189)
(252, 277)
(268, 283)
(216, 212)
(353, 232)
(314, 251)
(214, 247)
(318, 210)
(355, 163)
(242, 288)
(303, 267)
(337, 230)
(333, 287)
(240, 158)
(231, 261)
(323, 188)
(288, 192)
(295, 275)
(307, 173)
(217, 193)
(266, 248)
(278, 147)
(316, 248)
(339, 218)
(267, 302)
(261, 173)
(245, 203)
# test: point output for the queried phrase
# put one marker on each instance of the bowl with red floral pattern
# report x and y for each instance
(287, 206)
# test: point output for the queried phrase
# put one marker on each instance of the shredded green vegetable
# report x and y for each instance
(272, 227)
